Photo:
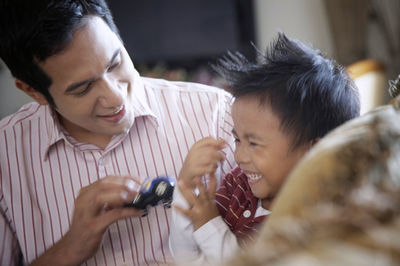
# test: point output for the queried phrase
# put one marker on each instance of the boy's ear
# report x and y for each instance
(34, 94)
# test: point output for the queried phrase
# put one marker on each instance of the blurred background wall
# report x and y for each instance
(177, 39)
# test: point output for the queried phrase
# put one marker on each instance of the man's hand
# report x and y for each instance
(202, 207)
(96, 207)
(202, 159)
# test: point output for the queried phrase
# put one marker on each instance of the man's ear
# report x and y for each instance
(314, 141)
(34, 94)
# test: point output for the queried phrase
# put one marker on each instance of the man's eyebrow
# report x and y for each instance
(116, 53)
(76, 85)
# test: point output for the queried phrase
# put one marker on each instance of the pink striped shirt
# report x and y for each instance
(42, 169)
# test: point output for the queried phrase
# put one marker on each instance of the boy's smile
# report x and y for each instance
(253, 178)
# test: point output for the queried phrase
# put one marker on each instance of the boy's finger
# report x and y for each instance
(210, 141)
(221, 156)
(212, 186)
(210, 168)
(222, 143)
(187, 193)
(185, 212)
(202, 190)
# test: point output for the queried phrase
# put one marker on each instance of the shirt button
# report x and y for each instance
(246, 213)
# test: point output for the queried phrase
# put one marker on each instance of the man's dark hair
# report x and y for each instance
(308, 92)
(32, 31)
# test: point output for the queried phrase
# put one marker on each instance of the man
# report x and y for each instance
(72, 160)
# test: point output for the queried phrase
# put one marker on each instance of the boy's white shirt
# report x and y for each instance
(212, 242)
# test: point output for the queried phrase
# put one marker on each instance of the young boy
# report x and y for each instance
(350, 214)
(282, 107)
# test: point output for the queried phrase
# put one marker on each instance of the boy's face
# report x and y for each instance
(262, 150)
(92, 83)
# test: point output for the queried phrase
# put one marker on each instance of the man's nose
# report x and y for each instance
(110, 93)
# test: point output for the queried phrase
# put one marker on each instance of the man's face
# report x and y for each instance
(92, 83)
(263, 150)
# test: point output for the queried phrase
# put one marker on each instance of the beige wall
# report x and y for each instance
(305, 20)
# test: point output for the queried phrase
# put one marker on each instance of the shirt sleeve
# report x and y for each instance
(211, 242)
(10, 252)
(216, 241)
(182, 245)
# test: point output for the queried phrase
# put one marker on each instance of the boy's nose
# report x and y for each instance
(241, 155)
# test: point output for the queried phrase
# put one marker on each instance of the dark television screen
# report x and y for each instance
(172, 30)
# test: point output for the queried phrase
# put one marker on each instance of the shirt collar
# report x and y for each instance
(141, 99)
(55, 131)
(260, 211)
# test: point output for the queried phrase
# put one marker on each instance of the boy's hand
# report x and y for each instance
(202, 207)
(202, 159)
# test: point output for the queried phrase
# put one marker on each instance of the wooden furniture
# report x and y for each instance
(370, 78)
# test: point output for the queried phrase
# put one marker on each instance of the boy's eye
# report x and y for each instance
(237, 140)
(252, 143)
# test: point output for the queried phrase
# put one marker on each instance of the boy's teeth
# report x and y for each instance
(254, 176)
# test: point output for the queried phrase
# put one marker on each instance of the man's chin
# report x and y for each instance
(118, 130)
(115, 129)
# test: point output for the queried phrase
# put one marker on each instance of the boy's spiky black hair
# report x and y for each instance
(310, 94)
